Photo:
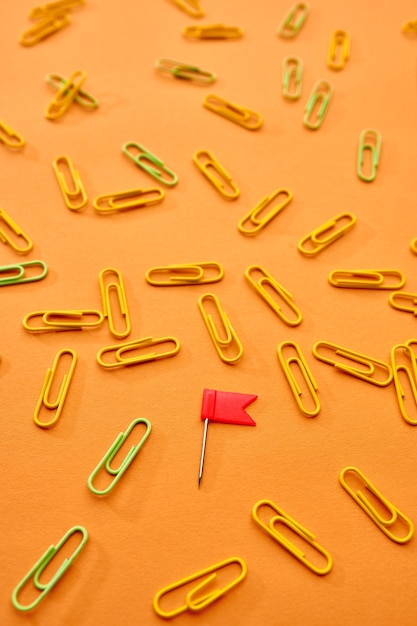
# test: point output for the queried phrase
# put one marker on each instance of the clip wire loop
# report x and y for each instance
(16, 230)
(366, 373)
(294, 20)
(292, 74)
(65, 95)
(16, 274)
(127, 200)
(144, 156)
(82, 98)
(213, 31)
(111, 453)
(63, 320)
(382, 523)
(191, 7)
(54, 7)
(137, 344)
(184, 274)
(233, 112)
(216, 174)
(185, 71)
(10, 137)
(58, 403)
(369, 140)
(48, 25)
(267, 279)
(312, 386)
(259, 222)
(289, 522)
(410, 373)
(317, 242)
(117, 286)
(226, 340)
(197, 604)
(321, 96)
(397, 296)
(366, 279)
(339, 50)
(74, 194)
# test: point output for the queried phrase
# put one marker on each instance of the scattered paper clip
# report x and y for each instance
(308, 378)
(339, 50)
(216, 174)
(51, 23)
(321, 95)
(186, 71)
(213, 31)
(259, 222)
(410, 27)
(226, 340)
(365, 373)
(74, 194)
(116, 286)
(192, 7)
(382, 523)
(54, 7)
(233, 112)
(65, 95)
(369, 140)
(292, 74)
(16, 230)
(366, 279)
(10, 137)
(127, 200)
(196, 604)
(294, 20)
(18, 273)
(280, 517)
(160, 172)
(267, 279)
(185, 274)
(410, 372)
(63, 320)
(396, 297)
(137, 344)
(58, 404)
(413, 245)
(111, 453)
(86, 100)
(317, 242)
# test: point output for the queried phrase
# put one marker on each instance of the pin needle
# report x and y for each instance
(203, 450)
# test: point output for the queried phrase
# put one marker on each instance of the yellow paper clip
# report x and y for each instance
(192, 7)
(10, 137)
(48, 25)
(117, 286)
(410, 27)
(292, 73)
(74, 194)
(127, 200)
(370, 140)
(321, 95)
(410, 373)
(382, 523)
(216, 174)
(226, 340)
(339, 50)
(65, 95)
(213, 31)
(366, 279)
(58, 403)
(137, 344)
(186, 71)
(86, 100)
(185, 274)
(111, 453)
(16, 230)
(54, 7)
(267, 279)
(63, 320)
(37, 570)
(233, 112)
(396, 297)
(142, 160)
(318, 242)
(294, 20)
(289, 522)
(312, 386)
(413, 245)
(365, 373)
(253, 216)
(197, 604)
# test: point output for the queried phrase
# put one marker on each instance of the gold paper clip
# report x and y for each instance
(83, 98)
(186, 71)
(58, 403)
(294, 20)
(54, 7)
(185, 274)
(411, 374)
(317, 242)
(74, 194)
(382, 523)
(197, 604)
(366, 279)
(306, 374)
(63, 320)
(370, 140)
(210, 166)
(411, 298)
(339, 50)
(413, 245)
(5, 238)
(233, 112)
(160, 172)
(366, 373)
(65, 95)
(213, 31)
(289, 522)
(10, 137)
(37, 570)
(137, 344)
(192, 7)
(321, 95)
(410, 27)
(48, 25)
(117, 286)
(111, 453)
(292, 72)
(267, 279)
(126, 200)
(253, 216)
(226, 340)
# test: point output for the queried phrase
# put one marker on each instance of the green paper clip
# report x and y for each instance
(185, 71)
(16, 274)
(83, 98)
(369, 140)
(145, 155)
(294, 20)
(322, 93)
(292, 72)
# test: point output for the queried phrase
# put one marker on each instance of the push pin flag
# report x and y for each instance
(225, 407)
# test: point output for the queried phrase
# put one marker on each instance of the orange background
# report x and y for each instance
(157, 526)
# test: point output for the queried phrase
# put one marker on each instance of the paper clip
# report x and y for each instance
(83, 98)
(253, 216)
(283, 293)
(127, 200)
(54, 7)
(382, 523)
(76, 197)
(366, 279)
(37, 570)
(289, 522)
(186, 71)
(366, 373)
(58, 403)
(184, 274)
(48, 25)
(137, 344)
(321, 94)
(192, 7)
(233, 112)
(213, 31)
(63, 320)
(316, 240)
(146, 156)
(369, 140)
(413, 245)
(117, 286)
(411, 298)
(411, 374)
(5, 238)
(292, 72)
(210, 166)
(10, 137)
(197, 604)
(294, 20)
(229, 342)
(65, 95)
(339, 50)
(410, 27)
(17, 274)
(306, 374)
(111, 453)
